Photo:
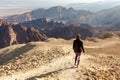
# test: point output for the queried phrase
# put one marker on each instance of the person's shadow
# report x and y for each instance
(5, 58)
(49, 73)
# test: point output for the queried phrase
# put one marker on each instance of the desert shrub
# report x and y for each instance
(106, 35)
(117, 33)
(91, 39)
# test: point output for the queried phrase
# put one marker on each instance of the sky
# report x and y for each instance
(42, 3)
(19, 6)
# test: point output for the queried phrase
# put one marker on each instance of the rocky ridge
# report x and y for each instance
(11, 34)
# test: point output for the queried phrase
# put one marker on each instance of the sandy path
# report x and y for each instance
(65, 63)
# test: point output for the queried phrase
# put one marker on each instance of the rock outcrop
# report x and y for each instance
(69, 32)
(16, 34)
(60, 30)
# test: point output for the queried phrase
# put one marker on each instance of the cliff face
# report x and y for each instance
(42, 23)
(16, 34)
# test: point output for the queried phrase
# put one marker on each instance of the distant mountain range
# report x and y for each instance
(96, 6)
(107, 17)
(57, 22)
(56, 13)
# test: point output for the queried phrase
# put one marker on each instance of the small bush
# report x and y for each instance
(117, 33)
(106, 35)
(91, 39)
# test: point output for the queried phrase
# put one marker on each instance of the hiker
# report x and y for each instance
(78, 48)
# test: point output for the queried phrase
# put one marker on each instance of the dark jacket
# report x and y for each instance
(78, 46)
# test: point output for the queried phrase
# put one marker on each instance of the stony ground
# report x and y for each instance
(54, 59)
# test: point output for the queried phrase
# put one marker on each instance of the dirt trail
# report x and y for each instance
(64, 64)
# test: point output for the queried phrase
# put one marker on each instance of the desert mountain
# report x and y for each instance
(54, 13)
(96, 6)
(42, 23)
(59, 30)
(69, 32)
(105, 17)
(16, 34)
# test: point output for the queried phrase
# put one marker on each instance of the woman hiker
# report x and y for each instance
(78, 48)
